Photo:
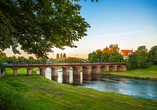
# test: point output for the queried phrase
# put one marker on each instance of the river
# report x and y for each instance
(125, 86)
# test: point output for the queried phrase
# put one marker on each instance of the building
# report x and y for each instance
(126, 53)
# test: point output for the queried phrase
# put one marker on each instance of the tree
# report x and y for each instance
(105, 57)
(12, 59)
(61, 56)
(57, 56)
(21, 59)
(64, 55)
(84, 0)
(99, 54)
(152, 56)
(3, 57)
(39, 25)
(114, 50)
(142, 51)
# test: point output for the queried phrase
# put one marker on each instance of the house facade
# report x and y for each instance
(126, 53)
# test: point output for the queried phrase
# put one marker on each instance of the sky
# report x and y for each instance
(128, 23)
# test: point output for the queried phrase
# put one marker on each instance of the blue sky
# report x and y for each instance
(128, 23)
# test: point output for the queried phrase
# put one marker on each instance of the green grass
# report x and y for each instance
(49, 94)
(150, 73)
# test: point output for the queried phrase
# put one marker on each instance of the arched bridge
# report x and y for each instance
(87, 68)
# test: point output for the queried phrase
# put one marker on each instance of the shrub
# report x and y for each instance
(2, 68)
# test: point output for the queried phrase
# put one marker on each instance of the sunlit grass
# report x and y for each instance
(59, 96)
(149, 72)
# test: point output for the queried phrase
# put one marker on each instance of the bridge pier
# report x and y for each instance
(65, 71)
(42, 71)
(76, 70)
(14, 71)
(29, 71)
(86, 70)
(115, 67)
(104, 68)
(96, 69)
(54, 71)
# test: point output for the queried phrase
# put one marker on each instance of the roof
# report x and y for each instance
(125, 52)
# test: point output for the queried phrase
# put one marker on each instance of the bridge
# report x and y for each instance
(87, 68)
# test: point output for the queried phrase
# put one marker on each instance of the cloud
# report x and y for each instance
(119, 34)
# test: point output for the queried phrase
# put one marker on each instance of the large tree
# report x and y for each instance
(142, 51)
(152, 56)
(39, 25)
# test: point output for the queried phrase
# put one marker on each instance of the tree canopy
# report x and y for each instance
(39, 25)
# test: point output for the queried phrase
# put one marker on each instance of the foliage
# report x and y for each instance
(84, 0)
(153, 67)
(136, 61)
(2, 68)
(12, 59)
(142, 51)
(57, 56)
(3, 57)
(108, 54)
(64, 55)
(70, 60)
(61, 56)
(152, 55)
(37, 25)
(141, 58)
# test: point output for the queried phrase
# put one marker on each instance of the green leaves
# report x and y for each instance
(38, 26)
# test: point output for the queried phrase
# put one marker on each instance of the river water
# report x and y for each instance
(125, 86)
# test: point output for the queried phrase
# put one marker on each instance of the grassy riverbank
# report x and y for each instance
(37, 92)
(148, 73)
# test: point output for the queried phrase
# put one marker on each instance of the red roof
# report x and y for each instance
(125, 52)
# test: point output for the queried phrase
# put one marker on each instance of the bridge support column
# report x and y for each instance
(86, 70)
(54, 71)
(65, 71)
(76, 70)
(29, 71)
(115, 67)
(96, 70)
(123, 68)
(107, 68)
(42, 71)
(104, 68)
(14, 71)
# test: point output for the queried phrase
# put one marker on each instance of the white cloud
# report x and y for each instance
(119, 34)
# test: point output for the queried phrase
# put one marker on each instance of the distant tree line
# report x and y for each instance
(13, 59)
(108, 54)
(141, 58)
(60, 56)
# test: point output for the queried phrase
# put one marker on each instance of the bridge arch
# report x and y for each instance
(119, 68)
(95, 69)
(104, 69)
(24, 72)
(10, 71)
(86, 70)
(111, 68)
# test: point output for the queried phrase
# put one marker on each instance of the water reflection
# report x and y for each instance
(131, 87)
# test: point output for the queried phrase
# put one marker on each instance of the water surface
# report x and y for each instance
(125, 86)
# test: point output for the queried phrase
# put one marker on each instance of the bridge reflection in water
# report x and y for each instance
(71, 79)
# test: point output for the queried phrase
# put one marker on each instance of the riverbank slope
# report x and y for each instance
(54, 95)
(148, 73)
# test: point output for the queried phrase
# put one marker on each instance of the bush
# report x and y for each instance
(2, 68)
(153, 67)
